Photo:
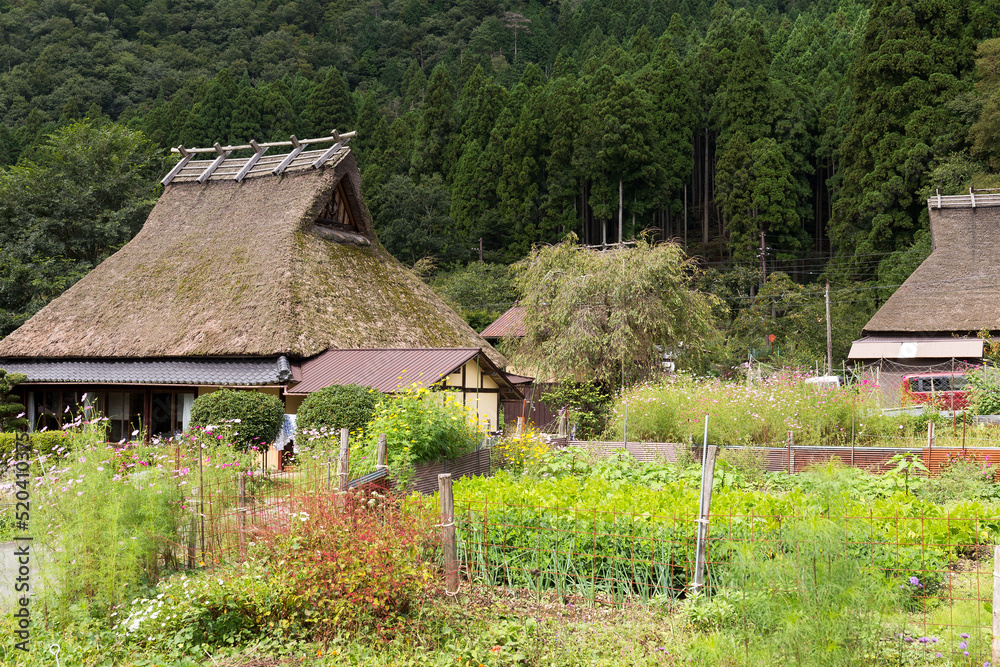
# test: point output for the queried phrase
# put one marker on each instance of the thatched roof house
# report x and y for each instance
(931, 322)
(956, 289)
(258, 263)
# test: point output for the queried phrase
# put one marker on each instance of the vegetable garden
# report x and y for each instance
(174, 552)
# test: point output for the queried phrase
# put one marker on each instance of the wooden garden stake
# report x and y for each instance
(343, 472)
(791, 461)
(704, 510)
(448, 534)
(380, 460)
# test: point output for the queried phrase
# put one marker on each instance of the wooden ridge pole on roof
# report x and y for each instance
(293, 141)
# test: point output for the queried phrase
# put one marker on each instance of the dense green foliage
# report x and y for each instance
(75, 198)
(765, 411)
(11, 410)
(255, 416)
(820, 125)
(44, 443)
(610, 317)
(420, 426)
(586, 404)
(480, 292)
(619, 528)
(984, 390)
(333, 408)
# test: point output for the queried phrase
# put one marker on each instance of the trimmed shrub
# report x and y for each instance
(349, 406)
(258, 416)
(46, 443)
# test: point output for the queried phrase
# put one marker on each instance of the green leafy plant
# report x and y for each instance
(232, 605)
(11, 410)
(332, 408)
(587, 405)
(907, 467)
(985, 390)
(421, 425)
(46, 443)
(258, 415)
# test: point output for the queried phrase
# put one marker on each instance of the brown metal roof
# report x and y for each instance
(388, 370)
(510, 323)
(519, 379)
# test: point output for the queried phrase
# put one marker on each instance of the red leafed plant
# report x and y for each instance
(363, 565)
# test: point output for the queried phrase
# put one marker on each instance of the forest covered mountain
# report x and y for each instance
(821, 124)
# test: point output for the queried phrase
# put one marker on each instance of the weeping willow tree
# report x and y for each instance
(609, 316)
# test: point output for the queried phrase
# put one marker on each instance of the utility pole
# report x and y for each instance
(829, 333)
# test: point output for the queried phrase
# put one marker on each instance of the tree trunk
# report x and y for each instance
(621, 208)
(704, 223)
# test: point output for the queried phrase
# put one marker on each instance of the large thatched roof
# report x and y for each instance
(230, 268)
(957, 288)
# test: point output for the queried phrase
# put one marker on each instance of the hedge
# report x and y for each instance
(260, 415)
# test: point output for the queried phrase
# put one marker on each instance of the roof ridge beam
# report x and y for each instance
(270, 144)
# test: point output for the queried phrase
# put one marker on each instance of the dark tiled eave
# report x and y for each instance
(246, 372)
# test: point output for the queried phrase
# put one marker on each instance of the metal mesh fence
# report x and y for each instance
(933, 573)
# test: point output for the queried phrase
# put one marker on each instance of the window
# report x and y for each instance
(337, 212)
(171, 412)
(124, 410)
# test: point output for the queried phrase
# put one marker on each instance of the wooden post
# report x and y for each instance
(704, 510)
(791, 460)
(343, 469)
(192, 538)
(930, 444)
(520, 426)
(563, 424)
(380, 459)
(996, 605)
(448, 541)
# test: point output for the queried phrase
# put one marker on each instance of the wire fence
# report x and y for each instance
(929, 578)
(218, 518)
(793, 458)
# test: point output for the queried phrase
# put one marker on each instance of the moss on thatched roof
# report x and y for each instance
(240, 269)
(957, 288)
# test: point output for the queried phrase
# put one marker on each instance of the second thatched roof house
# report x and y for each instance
(931, 323)
(246, 270)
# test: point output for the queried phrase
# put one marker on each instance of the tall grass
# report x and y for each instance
(111, 515)
(741, 413)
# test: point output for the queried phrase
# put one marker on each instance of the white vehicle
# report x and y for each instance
(824, 382)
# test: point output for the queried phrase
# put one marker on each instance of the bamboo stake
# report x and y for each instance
(996, 604)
